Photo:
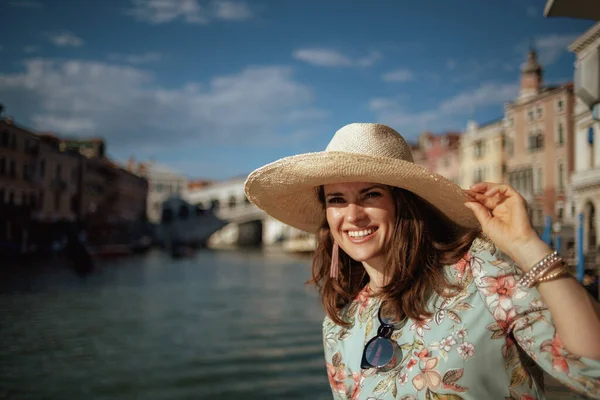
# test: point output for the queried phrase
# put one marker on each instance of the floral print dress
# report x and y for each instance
(487, 342)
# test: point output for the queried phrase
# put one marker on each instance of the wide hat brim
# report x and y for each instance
(286, 189)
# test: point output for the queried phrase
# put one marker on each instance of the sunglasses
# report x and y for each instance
(380, 350)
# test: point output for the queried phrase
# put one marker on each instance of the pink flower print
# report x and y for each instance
(421, 326)
(411, 363)
(423, 354)
(358, 379)
(505, 316)
(466, 350)
(364, 299)
(555, 347)
(447, 343)
(403, 379)
(461, 333)
(505, 287)
(461, 266)
(428, 377)
(337, 377)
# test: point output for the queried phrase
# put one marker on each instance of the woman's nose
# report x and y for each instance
(355, 212)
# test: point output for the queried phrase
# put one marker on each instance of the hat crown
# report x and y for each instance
(370, 139)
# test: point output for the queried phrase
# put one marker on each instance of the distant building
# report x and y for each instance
(439, 153)
(586, 178)
(481, 153)
(539, 144)
(19, 151)
(163, 182)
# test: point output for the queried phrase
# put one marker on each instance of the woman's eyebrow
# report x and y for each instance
(362, 191)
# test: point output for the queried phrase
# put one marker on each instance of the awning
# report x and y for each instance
(583, 9)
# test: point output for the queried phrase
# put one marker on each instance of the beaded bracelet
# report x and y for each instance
(531, 277)
(564, 271)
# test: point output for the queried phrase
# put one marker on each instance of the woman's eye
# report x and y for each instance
(335, 200)
(372, 195)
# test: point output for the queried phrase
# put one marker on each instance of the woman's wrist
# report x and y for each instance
(528, 253)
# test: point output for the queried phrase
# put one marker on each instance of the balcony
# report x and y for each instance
(584, 179)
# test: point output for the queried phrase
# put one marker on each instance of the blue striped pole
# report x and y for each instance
(580, 260)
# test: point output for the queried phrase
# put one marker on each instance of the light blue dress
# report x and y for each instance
(485, 343)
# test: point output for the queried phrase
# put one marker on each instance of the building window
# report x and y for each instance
(5, 138)
(1, 195)
(13, 141)
(540, 113)
(560, 213)
(2, 166)
(42, 168)
(530, 115)
(57, 200)
(12, 170)
(536, 140)
(510, 147)
(11, 197)
(561, 179)
(561, 133)
(560, 105)
(539, 186)
(58, 171)
(478, 149)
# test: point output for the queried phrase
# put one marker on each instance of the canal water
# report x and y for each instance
(220, 325)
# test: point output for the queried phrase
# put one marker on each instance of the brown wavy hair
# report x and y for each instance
(423, 241)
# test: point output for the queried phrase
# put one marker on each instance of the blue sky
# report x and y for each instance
(217, 88)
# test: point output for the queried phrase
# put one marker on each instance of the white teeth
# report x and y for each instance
(360, 234)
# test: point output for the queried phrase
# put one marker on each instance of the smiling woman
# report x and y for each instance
(419, 303)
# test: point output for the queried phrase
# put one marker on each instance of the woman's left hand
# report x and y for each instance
(502, 213)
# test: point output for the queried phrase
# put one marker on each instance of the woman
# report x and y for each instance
(419, 303)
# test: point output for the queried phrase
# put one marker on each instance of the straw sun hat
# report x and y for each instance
(359, 152)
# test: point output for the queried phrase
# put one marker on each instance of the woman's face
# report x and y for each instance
(361, 217)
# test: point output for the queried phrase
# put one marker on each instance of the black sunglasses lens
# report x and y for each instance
(379, 352)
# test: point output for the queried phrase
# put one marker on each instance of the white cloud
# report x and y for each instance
(26, 4)
(65, 39)
(143, 58)
(126, 105)
(451, 64)
(30, 49)
(399, 75)
(551, 47)
(190, 11)
(332, 58)
(393, 111)
(231, 10)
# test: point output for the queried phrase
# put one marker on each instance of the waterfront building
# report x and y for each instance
(163, 182)
(539, 144)
(586, 178)
(439, 153)
(481, 153)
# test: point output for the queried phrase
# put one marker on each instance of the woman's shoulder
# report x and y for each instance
(482, 261)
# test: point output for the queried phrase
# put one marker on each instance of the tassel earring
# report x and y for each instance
(334, 269)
